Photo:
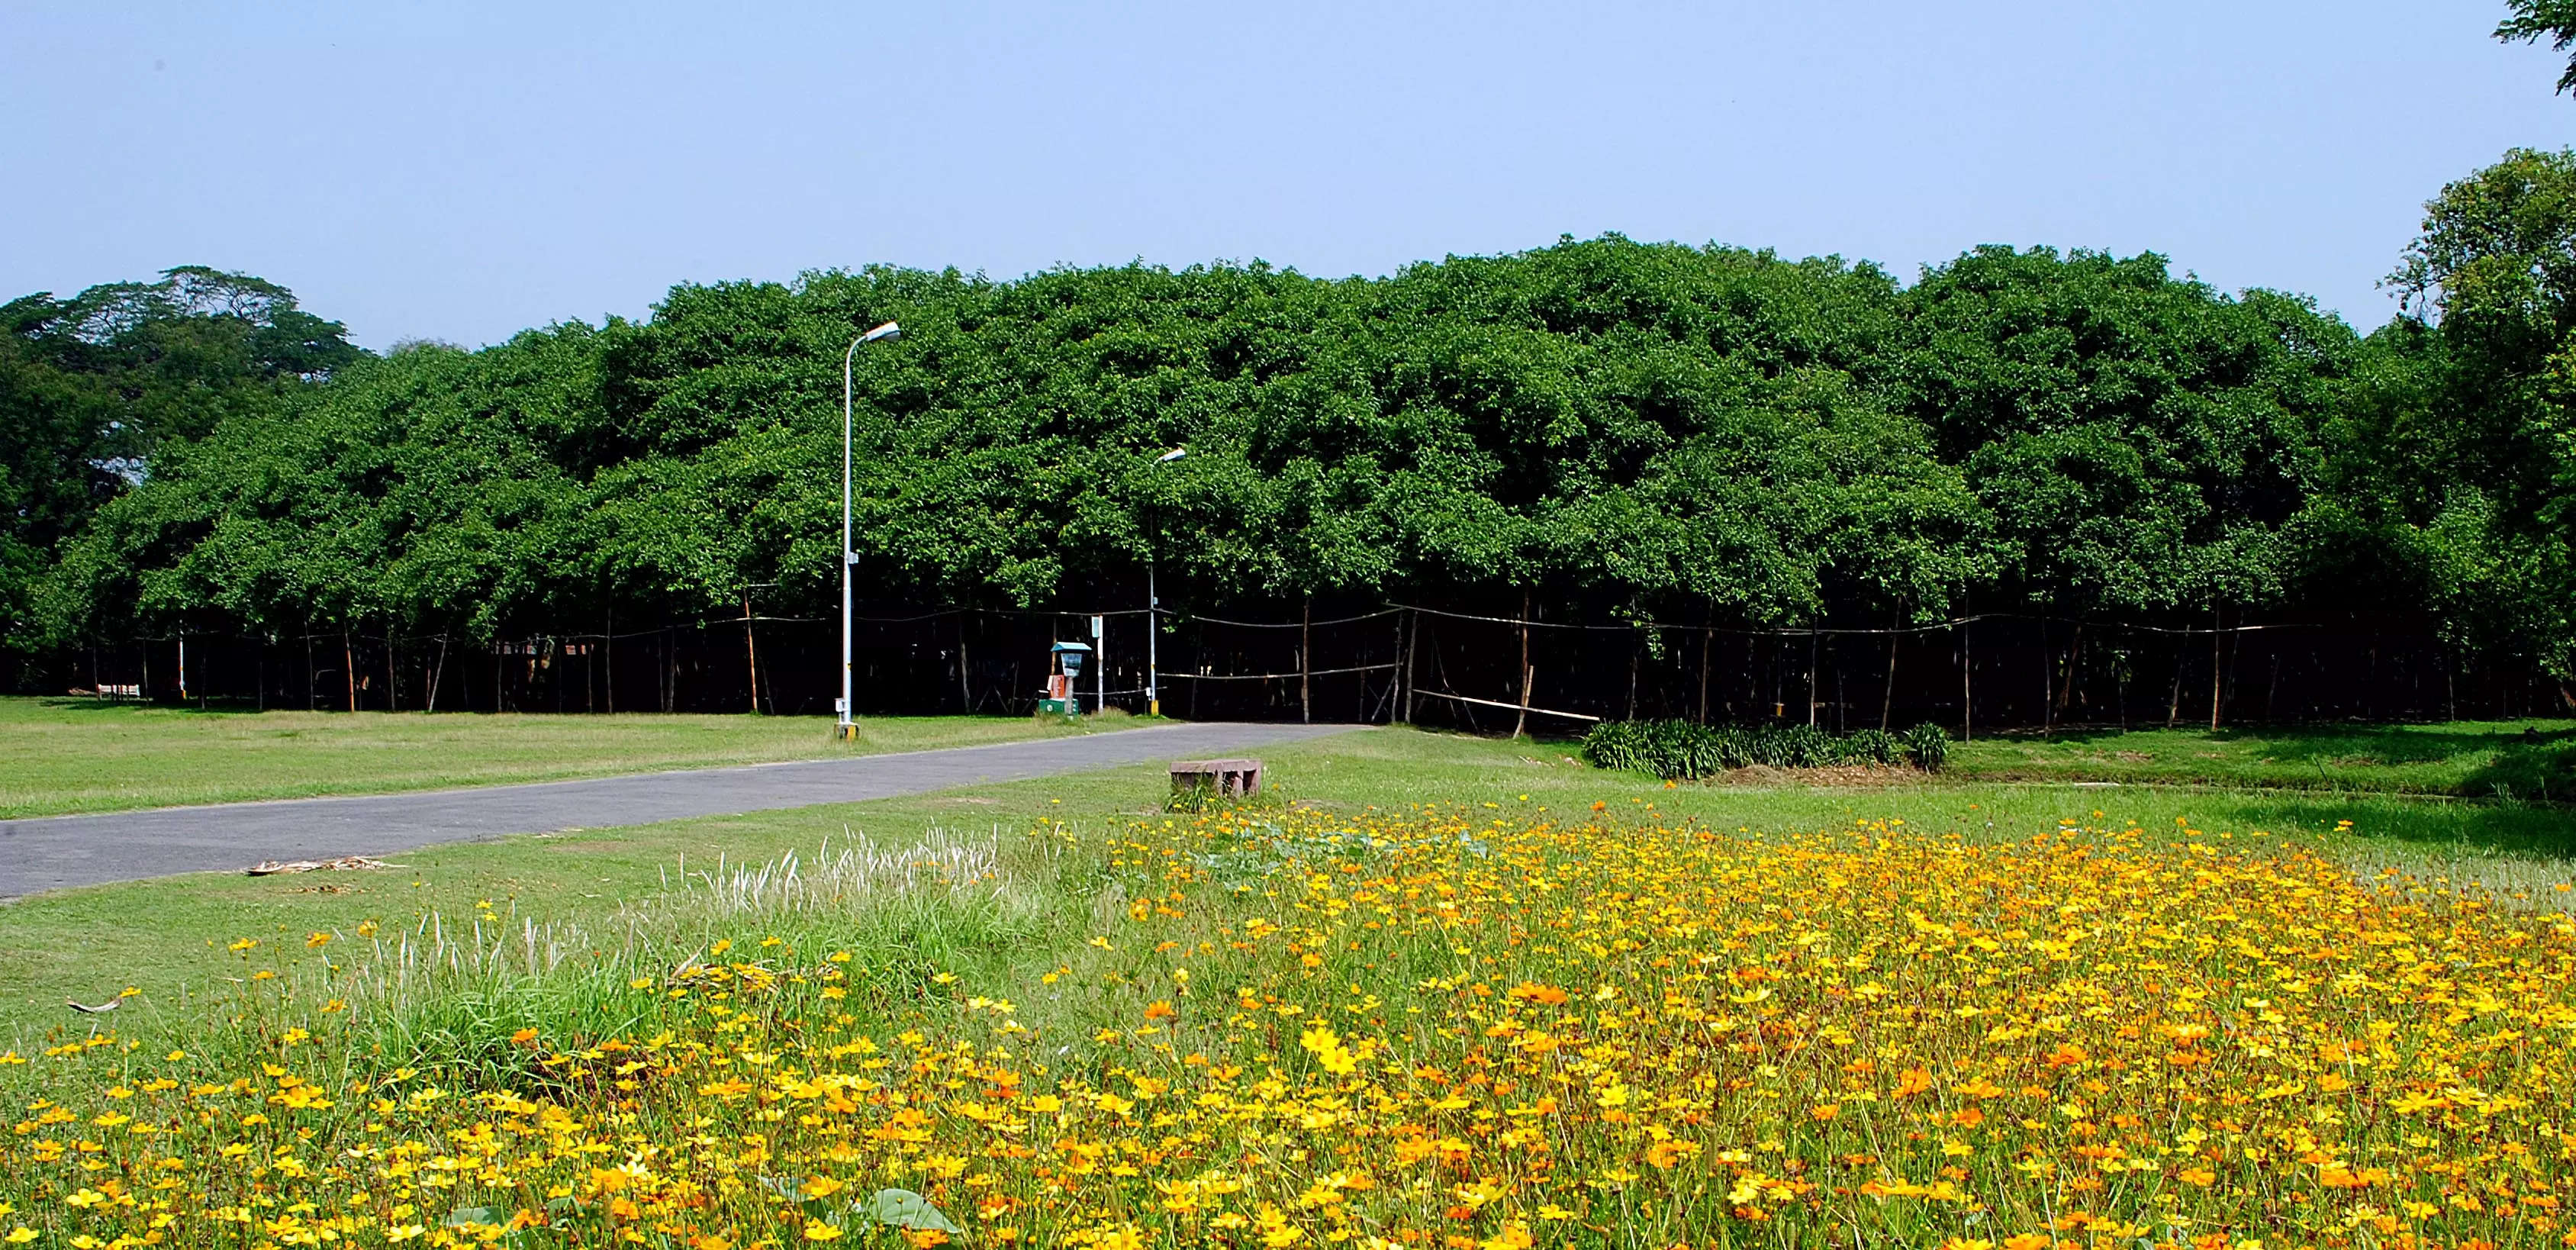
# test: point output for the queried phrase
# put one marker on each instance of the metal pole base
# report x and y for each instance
(846, 732)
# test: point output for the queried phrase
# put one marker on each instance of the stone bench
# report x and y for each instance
(1227, 778)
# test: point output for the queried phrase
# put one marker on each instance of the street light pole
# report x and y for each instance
(847, 728)
(1153, 608)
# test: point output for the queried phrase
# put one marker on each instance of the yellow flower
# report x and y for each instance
(817, 1230)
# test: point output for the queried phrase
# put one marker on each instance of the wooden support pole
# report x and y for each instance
(1812, 692)
(1967, 693)
(1521, 723)
(2074, 659)
(1887, 701)
(349, 668)
(1395, 711)
(2173, 702)
(1636, 653)
(2047, 682)
(750, 653)
(1306, 663)
(1707, 635)
(2214, 670)
(1412, 684)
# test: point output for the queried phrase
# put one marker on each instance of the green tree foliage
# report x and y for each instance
(2462, 455)
(1623, 427)
(2139, 442)
(94, 387)
(2535, 20)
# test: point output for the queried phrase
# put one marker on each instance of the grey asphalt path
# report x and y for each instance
(56, 852)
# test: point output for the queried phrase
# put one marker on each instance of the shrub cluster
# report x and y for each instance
(1680, 750)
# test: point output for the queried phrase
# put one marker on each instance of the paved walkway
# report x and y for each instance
(51, 853)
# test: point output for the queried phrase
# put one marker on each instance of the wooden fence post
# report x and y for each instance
(2214, 671)
(1887, 701)
(750, 653)
(1967, 690)
(1412, 683)
(1306, 662)
(1523, 673)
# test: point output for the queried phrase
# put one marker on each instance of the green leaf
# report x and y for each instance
(902, 1208)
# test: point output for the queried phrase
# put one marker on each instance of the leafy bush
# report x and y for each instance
(1679, 750)
(1869, 746)
(1928, 745)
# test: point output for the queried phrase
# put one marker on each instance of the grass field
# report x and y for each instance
(1434, 991)
(2533, 759)
(76, 755)
(168, 936)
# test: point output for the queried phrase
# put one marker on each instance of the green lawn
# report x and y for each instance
(2523, 759)
(76, 755)
(169, 938)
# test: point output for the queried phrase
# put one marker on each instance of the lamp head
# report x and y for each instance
(884, 332)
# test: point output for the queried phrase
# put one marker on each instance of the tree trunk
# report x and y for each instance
(437, 672)
(349, 668)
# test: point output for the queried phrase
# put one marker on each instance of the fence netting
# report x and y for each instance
(1470, 666)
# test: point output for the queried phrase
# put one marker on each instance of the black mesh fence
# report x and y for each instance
(1467, 665)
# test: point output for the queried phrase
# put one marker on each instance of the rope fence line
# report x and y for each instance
(1508, 707)
(1312, 672)
(1339, 620)
(1184, 618)
(1824, 631)
(2034, 669)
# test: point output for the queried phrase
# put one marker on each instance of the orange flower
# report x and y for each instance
(1544, 995)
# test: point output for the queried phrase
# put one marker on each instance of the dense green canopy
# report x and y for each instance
(1642, 428)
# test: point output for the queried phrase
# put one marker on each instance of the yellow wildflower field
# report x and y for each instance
(1453, 1028)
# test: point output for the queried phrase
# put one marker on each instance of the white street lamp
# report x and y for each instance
(1153, 605)
(848, 728)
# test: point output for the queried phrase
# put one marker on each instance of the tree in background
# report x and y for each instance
(2473, 441)
(93, 388)
(2534, 20)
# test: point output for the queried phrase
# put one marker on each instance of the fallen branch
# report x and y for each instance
(346, 863)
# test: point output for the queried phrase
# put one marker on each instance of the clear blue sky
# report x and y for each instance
(455, 171)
